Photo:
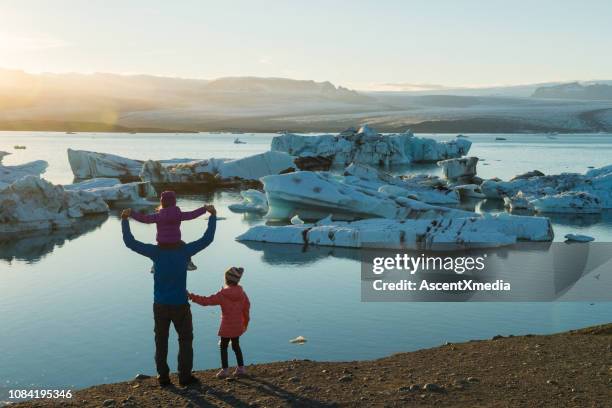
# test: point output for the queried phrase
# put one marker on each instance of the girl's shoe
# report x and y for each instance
(223, 373)
(191, 266)
(240, 371)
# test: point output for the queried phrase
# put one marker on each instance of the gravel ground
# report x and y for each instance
(572, 369)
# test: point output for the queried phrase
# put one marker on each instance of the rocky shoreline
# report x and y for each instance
(570, 369)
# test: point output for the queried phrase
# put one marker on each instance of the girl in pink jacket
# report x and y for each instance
(168, 221)
(235, 308)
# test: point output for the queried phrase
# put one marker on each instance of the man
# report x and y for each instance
(170, 295)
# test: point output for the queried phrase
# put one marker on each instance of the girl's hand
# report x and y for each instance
(125, 214)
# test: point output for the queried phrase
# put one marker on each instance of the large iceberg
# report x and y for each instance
(366, 146)
(10, 174)
(87, 165)
(218, 171)
(113, 192)
(32, 203)
(566, 192)
(436, 233)
(314, 195)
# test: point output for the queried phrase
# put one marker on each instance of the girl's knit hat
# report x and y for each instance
(168, 199)
(233, 275)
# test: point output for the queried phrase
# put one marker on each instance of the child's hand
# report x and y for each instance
(211, 209)
(245, 326)
(125, 214)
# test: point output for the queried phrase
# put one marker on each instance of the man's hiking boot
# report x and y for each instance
(164, 381)
(239, 371)
(183, 382)
(223, 373)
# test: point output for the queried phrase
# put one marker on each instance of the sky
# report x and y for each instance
(359, 44)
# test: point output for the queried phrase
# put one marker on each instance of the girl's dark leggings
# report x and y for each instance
(235, 346)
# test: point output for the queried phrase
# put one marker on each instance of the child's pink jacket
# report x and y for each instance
(235, 308)
(168, 221)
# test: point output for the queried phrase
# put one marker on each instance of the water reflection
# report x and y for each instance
(36, 245)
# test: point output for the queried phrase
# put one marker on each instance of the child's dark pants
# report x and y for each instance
(180, 316)
(235, 346)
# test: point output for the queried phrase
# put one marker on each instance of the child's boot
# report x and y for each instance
(223, 373)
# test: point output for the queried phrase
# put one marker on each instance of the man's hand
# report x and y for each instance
(125, 214)
(211, 209)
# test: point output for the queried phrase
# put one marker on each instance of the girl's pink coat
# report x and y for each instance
(235, 308)
(168, 221)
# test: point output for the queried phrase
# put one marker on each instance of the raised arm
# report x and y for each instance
(194, 247)
(212, 300)
(147, 250)
(145, 218)
(190, 215)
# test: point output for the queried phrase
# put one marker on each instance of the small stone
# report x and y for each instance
(294, 379)
(403, 389)
(432, 387)
(415, 387)
(141, 377)
(346, 378)
(497, 337)
(552, 382)
(109, 403)
(473, 379)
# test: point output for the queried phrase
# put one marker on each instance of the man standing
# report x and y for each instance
(170, 295)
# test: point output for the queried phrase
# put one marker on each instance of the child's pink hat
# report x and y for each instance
(168, 199)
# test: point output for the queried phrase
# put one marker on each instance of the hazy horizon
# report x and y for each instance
(375, 46)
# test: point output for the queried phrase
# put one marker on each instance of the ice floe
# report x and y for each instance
(10, 174)
(366, 146)
(32, 203)
(566, 192)
(218, 171)
(253, 201)
(314, 195)
(579, 238)
(113, 192)
(463, 168)
(87, 165)
(435, 233)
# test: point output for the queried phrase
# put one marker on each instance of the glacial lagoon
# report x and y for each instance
(75, 306)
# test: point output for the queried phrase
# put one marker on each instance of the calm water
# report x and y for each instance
(75, 308)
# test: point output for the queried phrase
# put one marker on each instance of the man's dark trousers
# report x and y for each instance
(180, 316)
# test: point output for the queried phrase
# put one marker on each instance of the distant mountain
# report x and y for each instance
(574, 90)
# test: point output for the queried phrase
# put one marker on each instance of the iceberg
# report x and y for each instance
(113, 192)
(433, 234)
(218, 171)
(463, 168)
(579, 238)
(366, 146)
(314, 195)
(32, 203)
(10, 174)
(87, 165)
(254, 201)
(566, 192)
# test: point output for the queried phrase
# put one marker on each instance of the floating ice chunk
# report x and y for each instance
(469, 191)
(254, 201)
(437, 233)
(2, 154)
(86, 165)
(597, 182)
(460, 168)
(298, 340)
(568, 202)
(113, 192)
(518, 202)
(214, 171)
(32, 203)
(10, 174)
(295, 220)
(579, 238)
(366, 146)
